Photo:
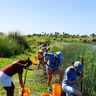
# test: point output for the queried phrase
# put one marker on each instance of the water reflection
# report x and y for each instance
(68, 43)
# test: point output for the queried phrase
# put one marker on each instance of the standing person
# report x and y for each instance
(52, 61)
(7, 72)
(40, 59)
(70, 78)
(44, 46)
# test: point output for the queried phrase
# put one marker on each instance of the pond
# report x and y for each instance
(68, 43)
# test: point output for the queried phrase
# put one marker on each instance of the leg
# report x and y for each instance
(49, 78)
(71, 91)
(7, 83)
(60, 73)
(10, 90)
(77, 92)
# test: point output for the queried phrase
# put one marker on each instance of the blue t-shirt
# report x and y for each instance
(53, 62)
(70, 74)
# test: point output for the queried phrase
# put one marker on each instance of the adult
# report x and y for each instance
(70, 79)
(10, 70)
(44, 46)
(52, 62)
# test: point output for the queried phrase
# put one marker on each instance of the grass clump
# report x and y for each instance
(12, 44)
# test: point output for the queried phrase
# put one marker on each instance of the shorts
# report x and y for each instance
(5, 80)
(68, 89)
(48, 69)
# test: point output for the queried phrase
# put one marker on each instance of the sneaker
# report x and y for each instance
(49, 89)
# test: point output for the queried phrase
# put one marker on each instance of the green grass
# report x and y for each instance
(36, 80)
(13, 44)
(33, 81)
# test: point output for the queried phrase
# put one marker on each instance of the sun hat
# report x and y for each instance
(79, 66)
(59, 53)
(40, 51)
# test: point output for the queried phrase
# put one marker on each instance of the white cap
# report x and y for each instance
(79, 66)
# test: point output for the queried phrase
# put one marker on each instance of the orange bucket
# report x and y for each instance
(45, 94)
(25, 93)
(56, 89)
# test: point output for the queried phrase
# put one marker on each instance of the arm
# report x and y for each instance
(42, 62)
(20, 80)
(38, 66)
(46, 60)
(22, 63)
(72, 81)
(71, 77)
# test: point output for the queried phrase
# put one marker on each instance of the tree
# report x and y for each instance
(1, 33)
(93, 35)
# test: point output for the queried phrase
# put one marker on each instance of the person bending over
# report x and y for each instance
(52, 61)
(70, 79)
(10, 70)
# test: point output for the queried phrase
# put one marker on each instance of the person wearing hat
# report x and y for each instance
(10, 70)
(70, 79)
(52, 61)
(40, 58)
(44, 46)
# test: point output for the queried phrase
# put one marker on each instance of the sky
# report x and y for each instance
(48, 16)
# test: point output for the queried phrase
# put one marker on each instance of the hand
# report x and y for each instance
(49, 68)
(22, 86)
(80, 74)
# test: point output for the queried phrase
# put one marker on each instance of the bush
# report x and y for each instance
(17, 38)
(93, 40)
(12, 44)
(6, 47)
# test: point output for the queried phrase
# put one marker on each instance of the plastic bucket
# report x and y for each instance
(26, 92)
(45, 94)
(56, 89)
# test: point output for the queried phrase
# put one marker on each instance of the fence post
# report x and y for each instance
(82, 61)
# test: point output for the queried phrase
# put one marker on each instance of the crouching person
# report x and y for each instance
(7, 72)
(70, 78)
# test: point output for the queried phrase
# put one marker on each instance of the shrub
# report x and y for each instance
(94, 40)
(12, 44)
(17, 38)
(6, 47)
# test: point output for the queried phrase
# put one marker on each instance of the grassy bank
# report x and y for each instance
(36, 81)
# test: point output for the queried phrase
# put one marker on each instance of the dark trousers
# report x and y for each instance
(10, 90)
